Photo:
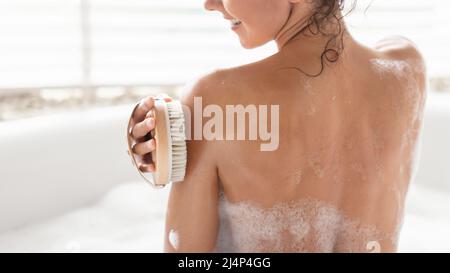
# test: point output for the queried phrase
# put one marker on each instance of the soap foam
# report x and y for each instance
(174, 239)
(305, 225)
(311, 225)
(297, 177)
(410, 105)
(406, 71)
(315, 164)
(382, 67)
(312, 107)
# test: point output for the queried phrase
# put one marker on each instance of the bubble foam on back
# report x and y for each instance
(305, 225)
(405, 71)
(311, 225)
(409, 105)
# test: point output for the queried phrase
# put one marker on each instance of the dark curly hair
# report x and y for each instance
(325, 14)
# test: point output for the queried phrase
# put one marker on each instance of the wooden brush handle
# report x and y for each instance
(161, 155)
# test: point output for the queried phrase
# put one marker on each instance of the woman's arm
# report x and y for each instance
(192, 215)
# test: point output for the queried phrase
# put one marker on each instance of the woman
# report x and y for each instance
(349, 120)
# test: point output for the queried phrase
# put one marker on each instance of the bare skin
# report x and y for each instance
(347, 138)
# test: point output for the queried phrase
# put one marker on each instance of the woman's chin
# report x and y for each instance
(246, 46)
(250, 42)
(245, 43)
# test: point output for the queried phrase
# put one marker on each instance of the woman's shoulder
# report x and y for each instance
(222, 85)
(400, 57)
(402, 50)
(400, 47)
(207, 87)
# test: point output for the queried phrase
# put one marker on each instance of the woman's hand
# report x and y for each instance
(144, 123)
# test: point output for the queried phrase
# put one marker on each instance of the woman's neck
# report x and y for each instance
(296, 31)
(297, 44)
(295, 23)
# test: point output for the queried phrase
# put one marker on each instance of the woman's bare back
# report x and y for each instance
(338, 180)
(347, 143)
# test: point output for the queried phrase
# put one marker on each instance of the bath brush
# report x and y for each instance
(170, 156)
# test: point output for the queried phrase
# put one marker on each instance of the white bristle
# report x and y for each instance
(178, 138)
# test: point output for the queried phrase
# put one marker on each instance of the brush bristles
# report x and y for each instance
(178, 138)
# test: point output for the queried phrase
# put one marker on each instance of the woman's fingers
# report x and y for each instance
(144, 147)
(147, 159)
(144, 123)
(143, 128)
(150, 113)
(143, 108)
(147, 168)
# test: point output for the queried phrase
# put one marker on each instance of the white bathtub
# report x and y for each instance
(79, 200)
(54, 163)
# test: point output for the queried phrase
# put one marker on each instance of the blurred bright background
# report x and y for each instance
(70, 71)
(84, 50)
